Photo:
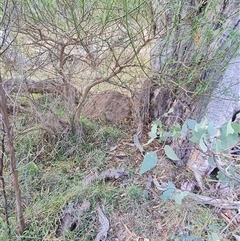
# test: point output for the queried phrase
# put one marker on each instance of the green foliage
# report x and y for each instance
(171, 193)
(150, 160)
(179, 197)
(170, 153)
(210, 140)
(98, 14)
(185, 235)
(86, 23)
(213, 237)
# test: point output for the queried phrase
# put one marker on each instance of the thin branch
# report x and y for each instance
(5, 202)
(9, 135)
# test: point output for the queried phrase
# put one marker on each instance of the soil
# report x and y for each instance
(109, 106)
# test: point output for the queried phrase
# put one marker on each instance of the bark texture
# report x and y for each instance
(190, 65)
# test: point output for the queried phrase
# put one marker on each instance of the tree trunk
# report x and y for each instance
(13, 162)
(190, 65)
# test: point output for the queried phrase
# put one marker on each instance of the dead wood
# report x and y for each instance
(216, 202)
(110, 174)
(102, 234)
(137, 143)
(70, 216)
(53, 86)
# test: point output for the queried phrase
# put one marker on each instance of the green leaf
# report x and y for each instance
(168, 134)
(175, 130)
(152, 136)
(191, 124)
(161, 139)
(196, 135)
(218, 145)
(169, 192)
(213, 227)
(184, 129)
(150, 160)
(222, 178)
(213, 237)
(229, 141)
(233, 140)
(236, 126)
(202, 144)
(170, 153)
(201, 126)
(158, 123)
(153, 132)
(149, 141)
(211, 162)
(171, 185)
(232, 170)
(179, 197)
(211, 129)
(230, 130)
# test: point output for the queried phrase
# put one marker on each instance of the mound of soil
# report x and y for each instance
(108, 106)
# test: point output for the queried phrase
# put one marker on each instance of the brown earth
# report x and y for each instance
(108, 106)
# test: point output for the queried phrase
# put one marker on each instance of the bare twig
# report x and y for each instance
(230, 222)
(110, 174)
(3, 182)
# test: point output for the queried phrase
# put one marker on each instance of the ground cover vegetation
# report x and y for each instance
(164, 172)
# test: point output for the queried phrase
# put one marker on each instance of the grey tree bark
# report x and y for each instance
(195, 66)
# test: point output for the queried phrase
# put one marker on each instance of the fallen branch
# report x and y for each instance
(70, 216)
(110, 174)
(102, 235)
(216, 202)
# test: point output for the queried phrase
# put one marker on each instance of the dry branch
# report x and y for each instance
(4, 193)
(216, 202)
(39, 86)
(110, 174)
(102, 235)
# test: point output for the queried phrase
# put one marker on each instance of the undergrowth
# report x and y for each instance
(49, 182)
